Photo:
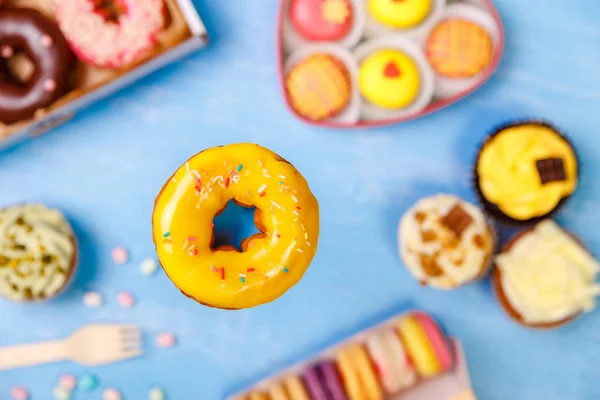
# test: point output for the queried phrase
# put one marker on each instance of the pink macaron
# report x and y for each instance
(438, 340)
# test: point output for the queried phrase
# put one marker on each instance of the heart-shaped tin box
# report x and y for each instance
(365, 63)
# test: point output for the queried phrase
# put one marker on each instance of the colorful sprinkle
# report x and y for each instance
(222, 273)
(156, 394)
(191, 238)
(7, 52)
(298, 207)
(120, 255)
(92, 299)
(50, 85)
(282, 176)
(67, 382)
(285, 270)
(294, 198)
(111, 394)
(305, 235)
(262, 188)
(239, 168)
(263, 194)
(275, 204)
(194, 252)
(167, 234)
(46, 41)
(19, 393)
(148, 266)
(300, 251)
(87, 383)
(277, 235)
(214, 269)
(165, 340)
(281, 182)
(227, 181)
(61, 394)
(250, 270)
(242, 280)
(126, 299)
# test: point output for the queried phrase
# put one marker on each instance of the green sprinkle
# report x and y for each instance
(281, 182)
(167, 234)
(239, 167)
(242, 280)
(88, 383)
(285, 270)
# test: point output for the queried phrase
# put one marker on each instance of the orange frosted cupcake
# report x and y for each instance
(457, 48)
(319, 87)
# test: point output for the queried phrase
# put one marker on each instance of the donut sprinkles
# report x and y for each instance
(270, 261)
(30, 32)
(114, 38)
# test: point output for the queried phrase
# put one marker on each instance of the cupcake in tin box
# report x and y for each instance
(460, 48)
(319, 84)
(338, 22)
(395, 80)
(411, 18)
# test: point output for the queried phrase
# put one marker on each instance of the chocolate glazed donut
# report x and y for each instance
(40, 39)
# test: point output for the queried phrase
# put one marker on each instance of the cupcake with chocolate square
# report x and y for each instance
(446, 242)
(544, 277)
(525, 172)
(38, 253)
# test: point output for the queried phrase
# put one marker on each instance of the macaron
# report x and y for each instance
(323, 382)
(291, 388)
(419, 347)
(438, 340)
(358, 374)
(391, 362)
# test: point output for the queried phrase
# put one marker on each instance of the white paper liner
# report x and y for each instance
(372, 112)
(292, 40)
(351, 113)
(330, 354)
(448, 87)
(374, 28)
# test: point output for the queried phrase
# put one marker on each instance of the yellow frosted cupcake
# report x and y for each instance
(525, 172)
(389, 79)
(401, 14)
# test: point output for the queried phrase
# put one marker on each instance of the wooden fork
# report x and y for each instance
(90, 345)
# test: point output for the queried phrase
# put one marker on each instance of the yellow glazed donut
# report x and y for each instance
(287, 214)
(400, 14)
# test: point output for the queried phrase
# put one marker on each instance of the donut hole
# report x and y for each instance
(233, 225)
(18, 65)
(110, 10)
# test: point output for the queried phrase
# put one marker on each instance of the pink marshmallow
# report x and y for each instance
(165, 340)
(126, 299)
(19, 393)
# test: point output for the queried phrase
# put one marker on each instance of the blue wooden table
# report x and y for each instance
(105, 168)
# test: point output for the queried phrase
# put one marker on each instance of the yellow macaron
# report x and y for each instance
(419, 348)
(358, 375)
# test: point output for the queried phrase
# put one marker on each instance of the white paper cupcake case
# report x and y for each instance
(292, 40)
(447, 87)
(351, 113)
(419, 33)
(371, 112)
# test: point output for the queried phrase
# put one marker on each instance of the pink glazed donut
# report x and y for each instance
(110, 33)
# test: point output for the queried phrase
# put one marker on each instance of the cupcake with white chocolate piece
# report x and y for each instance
(446, 242)
(544, 277)
(38, 253)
